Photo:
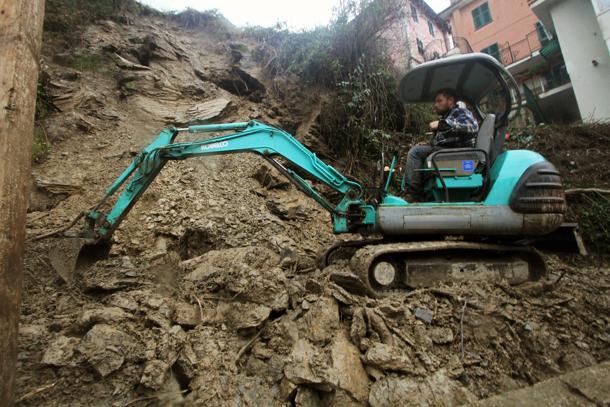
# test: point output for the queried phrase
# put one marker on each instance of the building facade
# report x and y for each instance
(417, 36)
(582, 28)
(515, 36)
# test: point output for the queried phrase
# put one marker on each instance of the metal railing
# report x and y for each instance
(511, 53)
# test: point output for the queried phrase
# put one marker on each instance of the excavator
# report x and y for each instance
(484, 206)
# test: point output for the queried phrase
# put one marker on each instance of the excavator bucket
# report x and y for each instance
(70, 255)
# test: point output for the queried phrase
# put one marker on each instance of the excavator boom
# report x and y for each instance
(351, 214)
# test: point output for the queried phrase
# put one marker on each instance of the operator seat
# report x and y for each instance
(464, 161)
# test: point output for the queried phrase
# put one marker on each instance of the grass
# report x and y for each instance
(40, 144)
(90, 62)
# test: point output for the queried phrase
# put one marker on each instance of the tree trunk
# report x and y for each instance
(20, 39)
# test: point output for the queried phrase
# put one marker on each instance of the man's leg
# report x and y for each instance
(415, 161)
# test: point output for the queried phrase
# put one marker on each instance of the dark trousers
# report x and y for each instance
(416, 160)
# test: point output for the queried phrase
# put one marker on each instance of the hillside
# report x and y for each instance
(211, 294)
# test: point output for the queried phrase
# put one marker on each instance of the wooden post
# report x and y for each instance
(20, 40)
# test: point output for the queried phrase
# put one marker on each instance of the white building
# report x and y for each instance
(583, 30)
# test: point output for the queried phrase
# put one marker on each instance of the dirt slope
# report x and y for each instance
(211, 295)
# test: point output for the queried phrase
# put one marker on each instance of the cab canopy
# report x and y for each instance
(474, 77)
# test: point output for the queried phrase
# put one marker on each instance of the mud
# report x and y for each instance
(211, 294)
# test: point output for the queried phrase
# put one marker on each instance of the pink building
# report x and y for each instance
(418, 36)
(509, 31)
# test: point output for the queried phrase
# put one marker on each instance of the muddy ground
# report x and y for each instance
(211, 295)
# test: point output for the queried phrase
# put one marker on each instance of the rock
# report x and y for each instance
(245, 315)
(358, 327)
(251, 273)
(287, 389)
(341, 295)
(267, 178)
(436, 390)
(60, 352)
(124, 301)
(105, 315)
(378, 325)
(308, 366)
(387, 357)
(156, 373)
(347, 367)
(574, 360)
(252, 391)
(307, 397)
(105, 348)
(314, 286)
(202, 112)
(441, 335)
(424, 314)
(349, 281)
(125, 64)
(391, 310)
(186, 364)
(287, 208)
(32, 330)
(322, 320)
(186, 315)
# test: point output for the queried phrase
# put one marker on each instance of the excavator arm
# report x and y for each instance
(351, 214)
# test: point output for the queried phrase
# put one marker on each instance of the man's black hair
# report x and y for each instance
(448, 93)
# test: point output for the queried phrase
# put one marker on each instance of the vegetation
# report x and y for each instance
(349, 58)
(44, 106)
(591, 211)
(212, 21)
(67, 16)
(92, 62)
(579, 152)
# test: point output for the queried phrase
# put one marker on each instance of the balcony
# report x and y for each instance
(528, 48)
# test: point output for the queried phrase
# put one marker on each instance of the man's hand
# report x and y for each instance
(434, 125)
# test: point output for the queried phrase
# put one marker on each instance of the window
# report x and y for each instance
(543, 35)
(481, 16)
(557, 76)
(420, 47)
(431, 28)
(413, 12)
(493, 50)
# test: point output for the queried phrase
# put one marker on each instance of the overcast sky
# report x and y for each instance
(298, 14)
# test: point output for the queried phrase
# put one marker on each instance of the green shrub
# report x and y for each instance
(349, 58)
(212, 21)
(67, 16)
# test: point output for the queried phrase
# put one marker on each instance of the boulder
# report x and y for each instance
(60, 351)
(386, 357)
(105, 348)
(436, 390)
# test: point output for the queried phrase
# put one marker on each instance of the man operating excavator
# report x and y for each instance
(456, 128)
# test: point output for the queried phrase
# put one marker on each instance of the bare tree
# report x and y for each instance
(20, 40)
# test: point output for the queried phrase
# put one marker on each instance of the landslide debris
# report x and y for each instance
(211, 295)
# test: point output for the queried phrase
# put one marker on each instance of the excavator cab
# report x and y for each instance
(463, 174)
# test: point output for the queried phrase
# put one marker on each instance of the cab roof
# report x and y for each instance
(471, 76)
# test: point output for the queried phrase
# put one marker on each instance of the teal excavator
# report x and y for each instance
(484, 206)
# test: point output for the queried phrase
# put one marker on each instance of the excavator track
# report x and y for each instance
(400, 267)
